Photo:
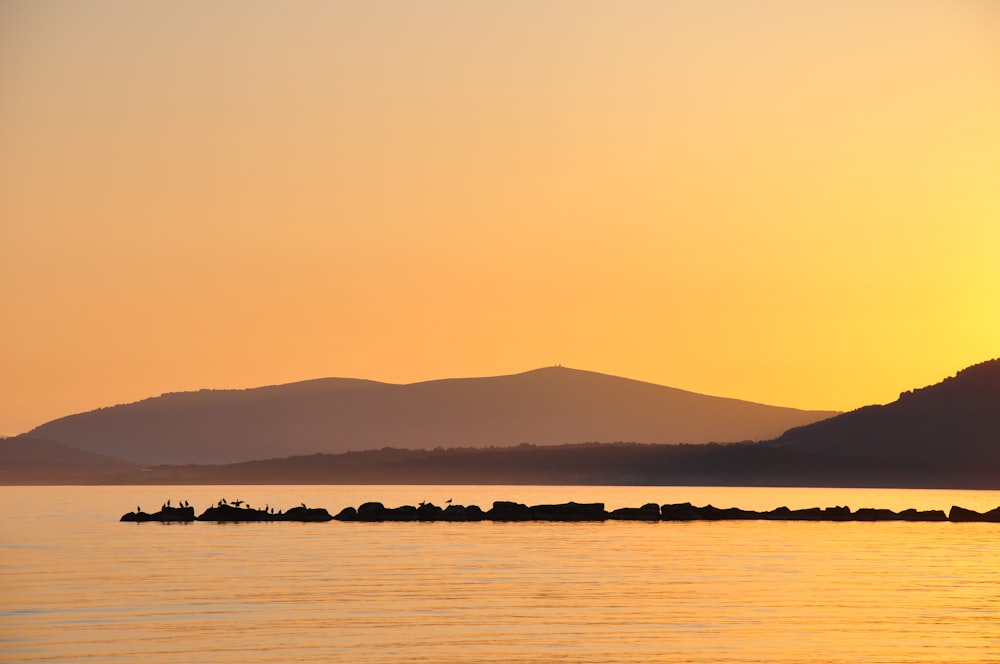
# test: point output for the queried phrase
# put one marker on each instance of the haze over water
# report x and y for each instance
(79, 586)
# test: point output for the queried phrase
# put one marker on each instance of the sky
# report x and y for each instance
(789, 202)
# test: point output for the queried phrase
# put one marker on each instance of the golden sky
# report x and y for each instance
(790, 202)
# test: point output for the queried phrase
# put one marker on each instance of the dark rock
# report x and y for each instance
(679, 512)
(712, 513)
(463, 513)
(777, 514)
(927, 515)
(507, 511)
(871, 514)
(455, 513)
(808, 514)
(430, 512)
(402, 513)
(232, 514)
(838, 513)
(165, 515)
(371, 512)
(304, 514)
(569, 512)
(648, 512)
(960, 514)
(347, 514)
(474, 513)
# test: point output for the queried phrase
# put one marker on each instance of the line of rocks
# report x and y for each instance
(510, 511)
(230, 514)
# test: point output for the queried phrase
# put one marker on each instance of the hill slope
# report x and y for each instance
(27, 460)
(955, 423)
(546, 406)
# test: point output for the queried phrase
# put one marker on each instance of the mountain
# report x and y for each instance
(550, 406)
(27, 460)
(952, 425)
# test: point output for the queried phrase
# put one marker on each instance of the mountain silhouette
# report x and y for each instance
(954, 424)
(550, 406)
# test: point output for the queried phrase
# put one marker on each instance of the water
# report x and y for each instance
(77, 586)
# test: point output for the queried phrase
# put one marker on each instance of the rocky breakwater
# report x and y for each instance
(502, 511)
(507, 511)
(688, 512)
(510, 511)
(235, 512)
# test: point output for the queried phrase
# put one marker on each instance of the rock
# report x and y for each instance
(232, 514)
(808, 514)
(463, 513)
(648, 512)
(304, 514)
(402, 513)
(455, 513)
(569, 512)
(838, 513)
(960, 514)
(928, 515)
(870, 514)
(347, 514)
(430, 512)
(711, 513)
(165, 515)
(371, 512)
(507, 511)
(679, 512)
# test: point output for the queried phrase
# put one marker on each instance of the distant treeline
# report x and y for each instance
(736, 464)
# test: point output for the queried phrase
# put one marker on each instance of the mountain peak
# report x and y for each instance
(547, 406)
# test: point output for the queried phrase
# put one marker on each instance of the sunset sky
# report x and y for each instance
(790, 202)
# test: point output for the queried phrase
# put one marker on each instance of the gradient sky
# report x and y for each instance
(790, 202)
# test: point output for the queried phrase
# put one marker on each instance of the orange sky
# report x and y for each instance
(789, 202)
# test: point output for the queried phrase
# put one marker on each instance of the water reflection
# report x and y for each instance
(78, 586)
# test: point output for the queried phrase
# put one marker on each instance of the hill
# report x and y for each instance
(551, 406)
(27, 460)
(954, 424)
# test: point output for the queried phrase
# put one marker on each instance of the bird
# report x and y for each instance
(448, 501)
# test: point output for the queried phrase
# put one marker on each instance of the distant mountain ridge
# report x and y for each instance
(27, 460)
(954, 423)
(550, 406)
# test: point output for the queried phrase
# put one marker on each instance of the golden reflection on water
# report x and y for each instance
(78, 586)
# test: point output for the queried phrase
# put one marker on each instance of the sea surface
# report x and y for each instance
(78, 586)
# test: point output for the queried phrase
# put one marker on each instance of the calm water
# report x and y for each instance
(76, 585)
